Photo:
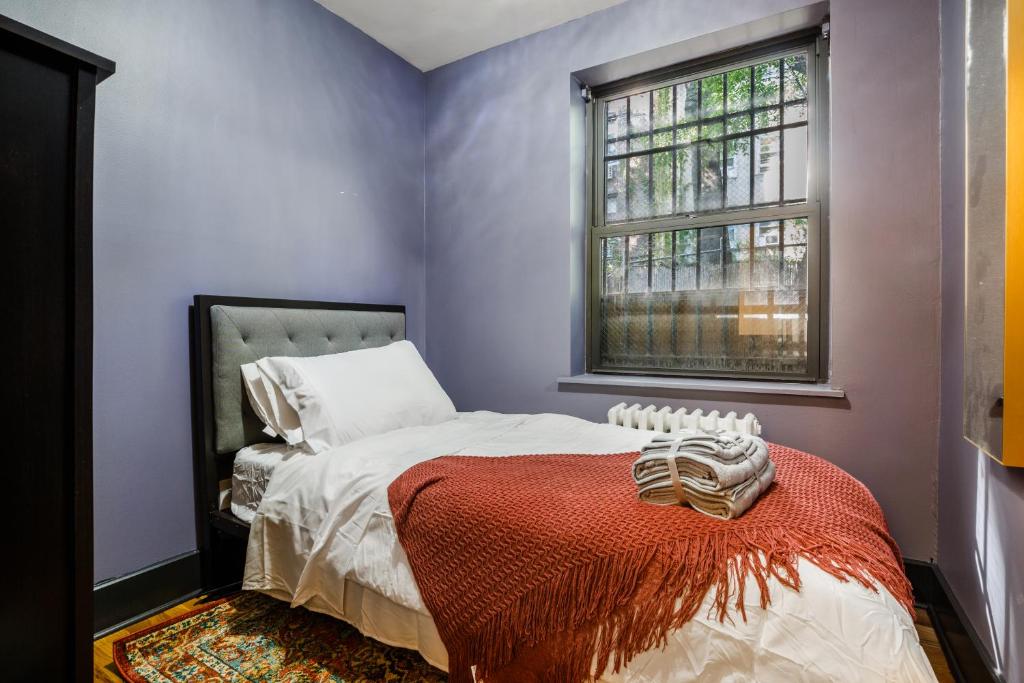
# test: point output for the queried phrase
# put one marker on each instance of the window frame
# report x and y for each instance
(815, 208)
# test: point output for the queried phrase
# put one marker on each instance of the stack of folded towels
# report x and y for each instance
(719, 473)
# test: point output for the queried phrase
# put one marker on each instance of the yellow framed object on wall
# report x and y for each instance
(1013, 337)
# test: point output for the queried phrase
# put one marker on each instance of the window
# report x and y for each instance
(707, 220)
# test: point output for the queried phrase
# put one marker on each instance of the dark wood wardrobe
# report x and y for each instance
(47, 91)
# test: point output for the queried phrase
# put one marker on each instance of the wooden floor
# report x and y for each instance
(104, 669)
(931, 646)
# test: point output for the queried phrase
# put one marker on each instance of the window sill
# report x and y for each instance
(691, 384)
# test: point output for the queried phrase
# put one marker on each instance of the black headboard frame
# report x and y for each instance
(219, 534)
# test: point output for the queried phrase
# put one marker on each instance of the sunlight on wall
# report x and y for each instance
(990, 560)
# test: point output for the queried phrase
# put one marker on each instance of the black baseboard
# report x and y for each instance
(968, 659)
(126, 599)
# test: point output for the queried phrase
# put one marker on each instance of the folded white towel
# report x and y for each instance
(718, 473)
(727, 503)
(724, 458)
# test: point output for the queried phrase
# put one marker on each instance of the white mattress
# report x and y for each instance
(251, 472)
(323, 537)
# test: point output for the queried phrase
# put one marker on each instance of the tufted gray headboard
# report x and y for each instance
(227, 332)
(243, 334)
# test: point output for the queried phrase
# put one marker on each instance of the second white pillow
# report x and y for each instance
(270, 406)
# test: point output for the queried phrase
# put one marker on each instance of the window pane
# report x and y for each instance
(766, 255)
(766, 168)
(686, 272)
(795, 154)
(738, 124)
(766, 268)
(711, 130)
(687, 134)
(794, 267)
(737, 172)
(795, 113)
(686, 241)
(639, 114)
(738, 86)
(795, 77)
(766, 84)
(615, 190)
(712, 90)
(723, 299)
(616, 119)
(737, 261)
(767, 118)
(686, 102)
(686, 180)
(639, 247)
(614, 258)
(663, 183)
(711, 258)
(795, 231)
(639, 122)
(663, 108)
(661, 261)
(766, 234)
(639, 187)
(640, 143)
(710, 184)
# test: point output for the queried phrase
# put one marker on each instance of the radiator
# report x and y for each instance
(665, 420)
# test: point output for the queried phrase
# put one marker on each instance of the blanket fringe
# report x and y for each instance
(649, 592)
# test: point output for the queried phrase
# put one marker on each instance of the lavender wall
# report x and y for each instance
(503, 274)
(982, 503)
(244, 147)
(268, 148)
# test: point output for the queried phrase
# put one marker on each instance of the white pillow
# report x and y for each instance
(258, 398)
(286, 420)
(347, 396)
(269, 404)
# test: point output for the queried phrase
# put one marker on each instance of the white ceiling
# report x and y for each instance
(431, 33)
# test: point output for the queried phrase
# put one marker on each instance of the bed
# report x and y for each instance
(319, 534)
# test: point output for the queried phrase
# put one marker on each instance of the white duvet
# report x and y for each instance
(324, 524)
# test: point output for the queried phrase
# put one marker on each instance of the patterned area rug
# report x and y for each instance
(250, 637)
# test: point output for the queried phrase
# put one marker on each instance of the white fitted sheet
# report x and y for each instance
(323, 537)
(250, 475)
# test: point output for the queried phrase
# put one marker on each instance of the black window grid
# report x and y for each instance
(700, 142)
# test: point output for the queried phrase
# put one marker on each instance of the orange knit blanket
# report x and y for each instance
(548, 568)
